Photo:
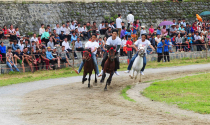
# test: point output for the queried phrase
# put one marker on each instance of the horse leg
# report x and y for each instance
(95, 77)
(103, 77)
(136, 75)
(89, 80)
(110, 78)
(140, 78)
(132, 76)
(84, 77)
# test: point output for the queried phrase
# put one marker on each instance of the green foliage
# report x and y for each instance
(125, 95)
(77, 13)
(30, 33)
(189, 93)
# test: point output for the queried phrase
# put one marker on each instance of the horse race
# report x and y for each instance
(105, 62)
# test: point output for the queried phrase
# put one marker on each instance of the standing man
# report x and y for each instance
(119, 24)
(112, 41)
(130, 19)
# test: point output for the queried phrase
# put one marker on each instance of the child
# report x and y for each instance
(57, 39)
(189, 38)
(160, 49)
(10, 60)
(129, 48)
(170, 46)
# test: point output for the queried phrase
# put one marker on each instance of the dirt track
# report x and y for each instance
(77, 104)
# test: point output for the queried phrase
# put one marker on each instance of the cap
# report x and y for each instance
(167, 36)
(143, 26)
(48, 48)
(54, 48)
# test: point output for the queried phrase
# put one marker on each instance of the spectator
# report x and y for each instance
(123, 47)
(89, 30)
(179, 23)
(15, 46)
(78, 45)
(103, 45)
(68, 30)
(164, 32)
(68, 48)
(108, 32)
(57, 40)
(84, 32)
(12, 33)
(73, 37)
(44, 59)
(112, 25)
(3, 52)
(157, 39)
(50, 43)
(56, 56)
(27, 45)
(19, 58)
(190, 40)
(172, 30)
(6, 32)
(42, 30)
(63, 57)
(57, 28)
(119, 24)
(195, 28)
(27, 58)
(50, 57)
(102, 28)
(33, 45)
(1, 33)
(94, 27)
(183, 23)
(205, 33)
(45, 37)
(72, 26)
(170, 46)
(151, 30)
(166, 50)
(152, 41)
(130, 19)
(63, 28)
(160, 49)
(178, 42)
(129, 45)
(182, 30)
(10, 43)
(184, 43)
(35, 39)
(62, 36)
(122, 32)
(135, 27)
(37, 55)
(21, 45)
(143, 31)
(17, 33)
(10, 60)
(187, 29)
(158, 30)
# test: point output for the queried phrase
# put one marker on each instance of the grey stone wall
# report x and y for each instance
(29, 16)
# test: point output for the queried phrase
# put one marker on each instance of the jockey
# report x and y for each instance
(93, 45)
(145, 43)
(113, 40)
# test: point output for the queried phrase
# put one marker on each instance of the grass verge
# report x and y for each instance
(189, 93)
(14, 78)
(125, 95)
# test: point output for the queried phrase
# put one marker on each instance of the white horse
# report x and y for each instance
(138, 62)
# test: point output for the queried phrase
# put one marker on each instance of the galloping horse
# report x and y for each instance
(138, 62)
(109, 67)
(88, 66)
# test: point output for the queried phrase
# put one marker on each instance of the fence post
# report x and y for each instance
(73, 44)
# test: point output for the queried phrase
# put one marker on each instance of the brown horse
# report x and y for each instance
(109, 67)
(88, 67)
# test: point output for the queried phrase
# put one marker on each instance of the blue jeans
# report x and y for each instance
(10, 66)
(191, 46)
(132, 60)
(94, 61)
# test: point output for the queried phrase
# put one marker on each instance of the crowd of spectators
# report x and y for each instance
(41, 48)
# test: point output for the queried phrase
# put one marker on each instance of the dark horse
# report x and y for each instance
(88, 67)
(109, 67)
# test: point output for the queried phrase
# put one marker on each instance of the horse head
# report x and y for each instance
(141, 50)
(87, 54)
(111, 53)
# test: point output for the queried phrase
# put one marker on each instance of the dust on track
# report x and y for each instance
(77, 104)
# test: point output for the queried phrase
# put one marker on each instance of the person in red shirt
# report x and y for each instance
(129, 45)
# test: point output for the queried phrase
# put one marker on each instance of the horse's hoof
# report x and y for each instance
(108, 83)
(131, 76)
(105, 89)
(101, 81)
(88, 85)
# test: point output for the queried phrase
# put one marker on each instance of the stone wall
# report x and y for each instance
(29, 16)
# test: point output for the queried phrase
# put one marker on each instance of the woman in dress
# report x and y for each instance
(163, 31)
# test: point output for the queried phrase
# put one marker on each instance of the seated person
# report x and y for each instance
(50, 57)
(44, 59)
(3, 52)
(37, 58)
(93, 45)
(55, 55)
(27, 58)
(62, 36)
(10, 60)
(78, 45)
(63, 57)
(58, 40)
(50, 43)
(15, 46)
(68, 48)
(19, 58)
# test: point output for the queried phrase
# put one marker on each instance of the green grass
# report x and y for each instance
(125, 95)
(14, 78)
(189, 93)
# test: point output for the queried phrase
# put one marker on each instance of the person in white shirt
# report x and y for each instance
(72, 26)
(143, 31)
(119, 24)
(123, 44)
(183, 23)
(63, 28)
(78, 45)
(68, 30)
(57, 28)
(198, 41)
(115, 41)
(92, 45)
(157, 39)
(42, 29)
(102, 28)
(112, 25)
(145, 43)
(35, 39)
(84, 32)
(68, 48)
(130, 19)
(21, 45)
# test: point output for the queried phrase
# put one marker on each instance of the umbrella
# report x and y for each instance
(205, 13)
(166, 23)
(199, 18)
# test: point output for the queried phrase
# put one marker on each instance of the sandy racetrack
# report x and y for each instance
(77, 104)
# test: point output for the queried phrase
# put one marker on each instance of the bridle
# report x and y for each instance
(141, 52)
(86, 58)
(111, 54)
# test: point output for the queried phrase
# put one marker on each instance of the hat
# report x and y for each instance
(167, 36)
(173, 25)
(48, 47)
(54, 48)
(143, 26)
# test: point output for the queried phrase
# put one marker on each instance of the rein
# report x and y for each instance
(88, 57)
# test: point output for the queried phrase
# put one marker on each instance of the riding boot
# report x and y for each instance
(104, 59)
